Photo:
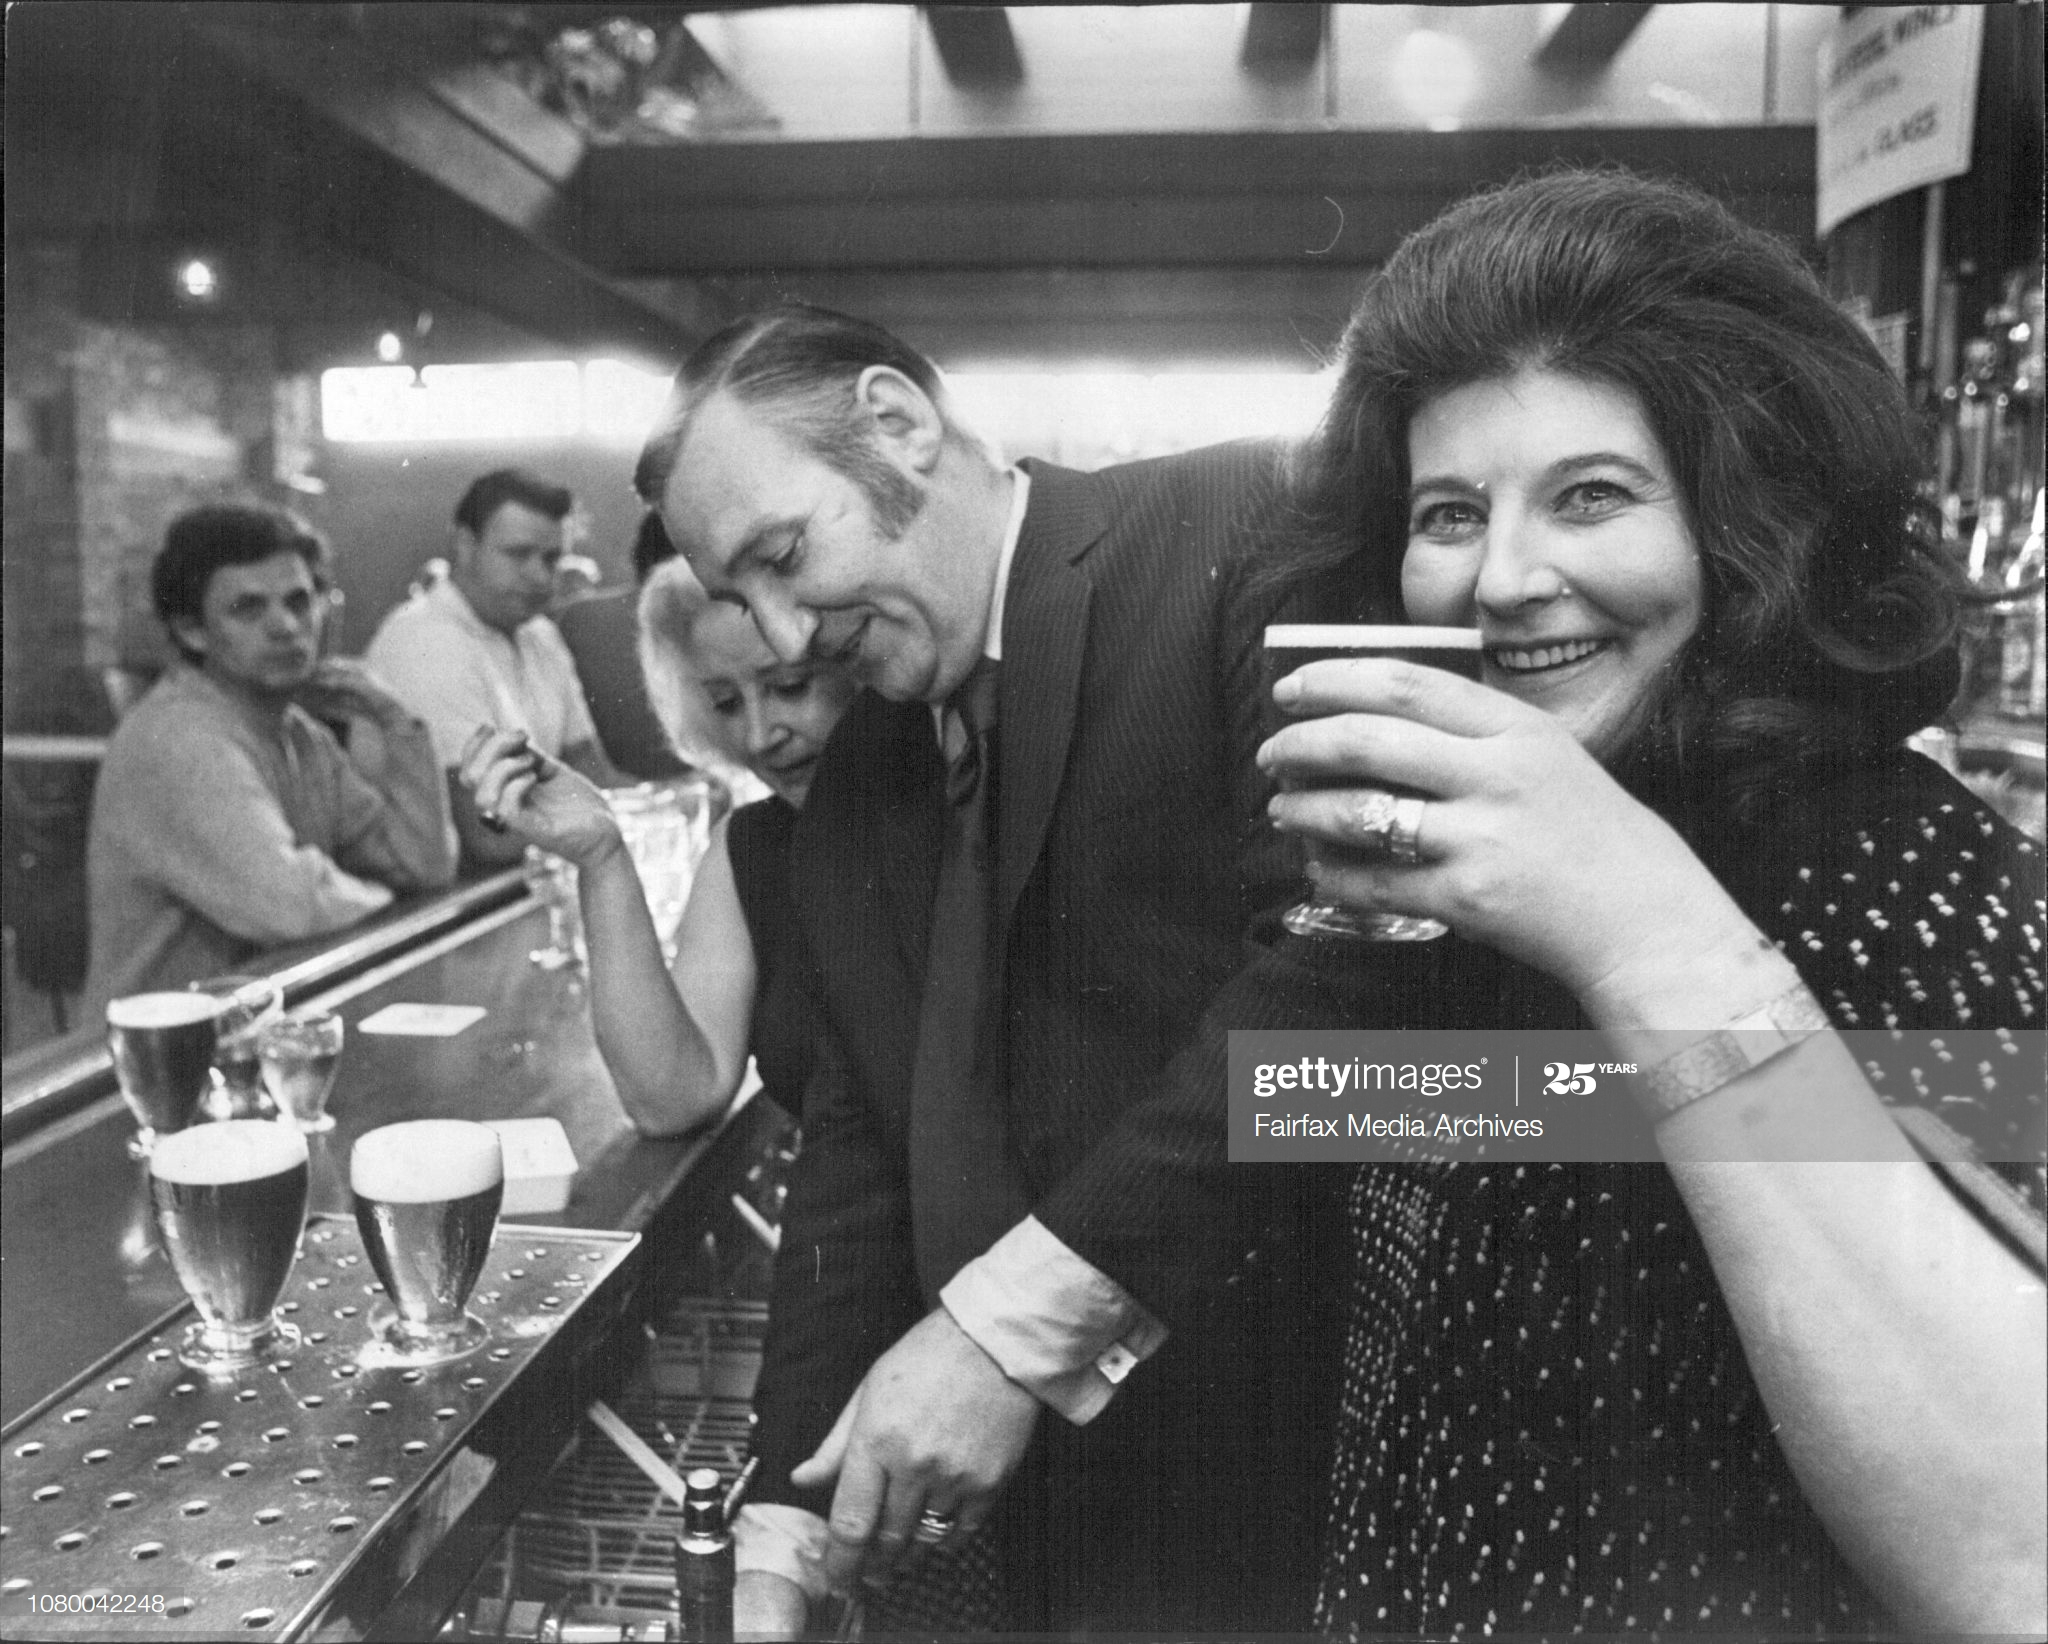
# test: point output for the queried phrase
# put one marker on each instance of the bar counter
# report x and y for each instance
(82, 1272)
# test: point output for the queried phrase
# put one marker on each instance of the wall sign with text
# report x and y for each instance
(1898, 104)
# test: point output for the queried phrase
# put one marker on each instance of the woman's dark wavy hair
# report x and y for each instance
(1831, 611)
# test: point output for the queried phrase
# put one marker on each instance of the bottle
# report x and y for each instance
(2023, 632)
(705, 1571)
(1972, 418)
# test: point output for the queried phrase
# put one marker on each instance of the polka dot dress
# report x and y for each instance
(1547, 1422)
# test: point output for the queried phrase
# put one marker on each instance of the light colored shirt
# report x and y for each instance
(1055, 1324)
(457, 672)
(218, 831)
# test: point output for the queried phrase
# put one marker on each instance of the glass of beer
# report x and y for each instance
(245, 1006)
(162, 1045)
(230, 1203)
(1293, 645)
(426, 1197)
(301, 1053)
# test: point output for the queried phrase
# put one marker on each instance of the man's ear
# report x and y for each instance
(904, 415)
(190, 635)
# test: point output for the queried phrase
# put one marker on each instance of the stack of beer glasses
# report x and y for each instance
(230, 1203)
(426, 1199)
(244, 1005)
(659, 822)
(162, 1045)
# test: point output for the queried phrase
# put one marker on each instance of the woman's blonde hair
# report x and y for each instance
(671, 602)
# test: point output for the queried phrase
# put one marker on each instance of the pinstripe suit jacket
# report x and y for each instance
(1132, 856)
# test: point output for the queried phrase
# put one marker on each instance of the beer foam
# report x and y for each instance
(1368, 636)
(160, 1010)
(234, 1150)
(426, 1161)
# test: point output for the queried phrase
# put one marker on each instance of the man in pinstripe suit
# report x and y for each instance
(1056, 1227)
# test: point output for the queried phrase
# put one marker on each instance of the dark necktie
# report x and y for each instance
(965, 1190)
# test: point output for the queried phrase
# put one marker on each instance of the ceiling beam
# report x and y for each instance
(1584, 38)
(1282, 40)
(1137, 200)
(271, 122)
(977, 45)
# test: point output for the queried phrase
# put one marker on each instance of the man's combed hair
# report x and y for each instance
(208, 539)
(1830, 609)
(490, 492)
(799, 364)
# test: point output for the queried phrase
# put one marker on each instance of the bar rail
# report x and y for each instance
(47, 1082)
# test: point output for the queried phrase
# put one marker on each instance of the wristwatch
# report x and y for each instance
(1727, 1053)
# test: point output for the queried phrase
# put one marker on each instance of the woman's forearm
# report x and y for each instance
(1900, 1349)
(669, 1074)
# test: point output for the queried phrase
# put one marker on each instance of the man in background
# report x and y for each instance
(477, 647)
(229, 818)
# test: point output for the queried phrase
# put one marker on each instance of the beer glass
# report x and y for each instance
(230, 1202)
(300, 1054)
(1293, 645)
(162, 1045)
(426, 1198)
(245, 1004)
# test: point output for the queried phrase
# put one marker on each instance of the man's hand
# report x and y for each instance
(935, 1426)
(342, 688)
(768, 1606)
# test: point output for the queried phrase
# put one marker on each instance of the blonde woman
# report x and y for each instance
(677, 1037)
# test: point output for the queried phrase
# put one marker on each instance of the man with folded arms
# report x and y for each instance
(229, 817)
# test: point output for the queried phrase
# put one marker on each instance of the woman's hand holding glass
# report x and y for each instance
(540, 799)
(1525, 842)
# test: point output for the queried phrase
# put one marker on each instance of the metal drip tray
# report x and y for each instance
(149, 1500)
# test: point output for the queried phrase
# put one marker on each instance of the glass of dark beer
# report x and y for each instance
(1293, 645)
(426, 1198)
(230, 1202)
(162, 1045)
(245, 1005)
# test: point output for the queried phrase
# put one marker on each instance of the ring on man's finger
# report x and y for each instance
(933, 1528)
(1372, 818)
(1403, 834)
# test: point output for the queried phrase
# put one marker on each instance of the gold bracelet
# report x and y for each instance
(1727, 1053)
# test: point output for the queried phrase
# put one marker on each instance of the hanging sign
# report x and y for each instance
(1898, 103)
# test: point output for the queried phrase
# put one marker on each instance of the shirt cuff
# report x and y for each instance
(1057, 1326)
(785, 1541)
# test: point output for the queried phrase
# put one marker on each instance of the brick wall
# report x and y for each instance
(111, 431)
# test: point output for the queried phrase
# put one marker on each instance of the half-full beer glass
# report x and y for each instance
(301, 1053)
(1292, 646)
(230, 1202)
(426, 1198)
(162, 1045)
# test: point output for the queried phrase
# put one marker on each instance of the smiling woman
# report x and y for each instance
(1632, 441)
(1543, 511)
